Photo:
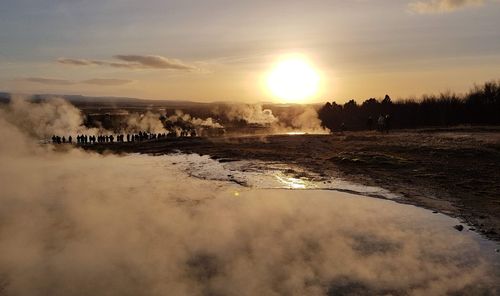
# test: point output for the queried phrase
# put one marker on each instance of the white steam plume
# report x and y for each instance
(252, 114)
(44, 119)
(197, 122)
(301, 118)
(307, 121)
(148, 122)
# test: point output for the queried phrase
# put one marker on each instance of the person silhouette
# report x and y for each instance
(381, 123)
(369, 123)
(387, 123)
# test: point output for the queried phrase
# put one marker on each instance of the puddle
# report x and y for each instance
(267, 175)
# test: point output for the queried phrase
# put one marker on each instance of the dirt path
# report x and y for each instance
(454, 172)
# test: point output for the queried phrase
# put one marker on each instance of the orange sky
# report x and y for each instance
(223, 50)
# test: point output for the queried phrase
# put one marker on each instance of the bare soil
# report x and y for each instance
(453, 171)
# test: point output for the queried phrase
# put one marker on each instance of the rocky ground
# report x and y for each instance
(454, 171)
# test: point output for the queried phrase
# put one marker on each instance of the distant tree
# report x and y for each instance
(350, 105)
(387, 100)
(370, 103)
(480, 106)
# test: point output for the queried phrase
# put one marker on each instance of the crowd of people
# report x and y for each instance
(61, 140)
(83, 139)
(383, 124)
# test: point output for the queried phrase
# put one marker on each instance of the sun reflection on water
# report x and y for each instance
(292, 183)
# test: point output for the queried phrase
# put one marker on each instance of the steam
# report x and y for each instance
(57, 116)
(301, 118)
(180, 116)
(252, 114)
(148, 121)
(44, 119)
(308, 121)
(78, 223)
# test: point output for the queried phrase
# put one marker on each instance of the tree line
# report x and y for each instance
(480, 106)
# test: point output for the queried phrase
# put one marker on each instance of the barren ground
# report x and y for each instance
(454, 171)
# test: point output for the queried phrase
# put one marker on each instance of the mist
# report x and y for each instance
(148, 121)
(297, 119)
(80, 223)
(41, 120)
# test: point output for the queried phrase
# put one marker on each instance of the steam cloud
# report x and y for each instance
(54, 116)
(78, 223)
(149, 122)
(440, 6)
(253, 114)
(304, 119)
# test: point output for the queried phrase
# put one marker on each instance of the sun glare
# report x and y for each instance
(293, 80)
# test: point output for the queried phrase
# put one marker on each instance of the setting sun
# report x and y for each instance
(293, 80)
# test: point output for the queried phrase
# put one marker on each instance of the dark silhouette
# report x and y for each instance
(481, 106)
(381, 123)
(387, 123)
(369, 123)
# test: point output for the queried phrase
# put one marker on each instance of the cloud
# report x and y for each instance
(94, 81)
(133, 62)
(78, 62)
(442, 6)
(154, 61)
(106, 81)
(48, 81)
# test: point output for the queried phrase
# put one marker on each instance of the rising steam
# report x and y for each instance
(304, 118)
(42, 120)
(78, 223)
(149, 122)
(252, 114)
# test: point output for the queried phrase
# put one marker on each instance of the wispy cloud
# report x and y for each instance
(442, 6)
(106, 81)
(94, 81)
(154, 61)
(133, 62)
(48, 81)
(77, 62)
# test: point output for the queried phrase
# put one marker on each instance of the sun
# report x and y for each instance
(293, 80)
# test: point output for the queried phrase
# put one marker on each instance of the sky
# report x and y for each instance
(223, 50)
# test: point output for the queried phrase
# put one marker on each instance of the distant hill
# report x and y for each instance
(110, 102)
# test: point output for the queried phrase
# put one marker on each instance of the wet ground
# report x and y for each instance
(453, 171)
